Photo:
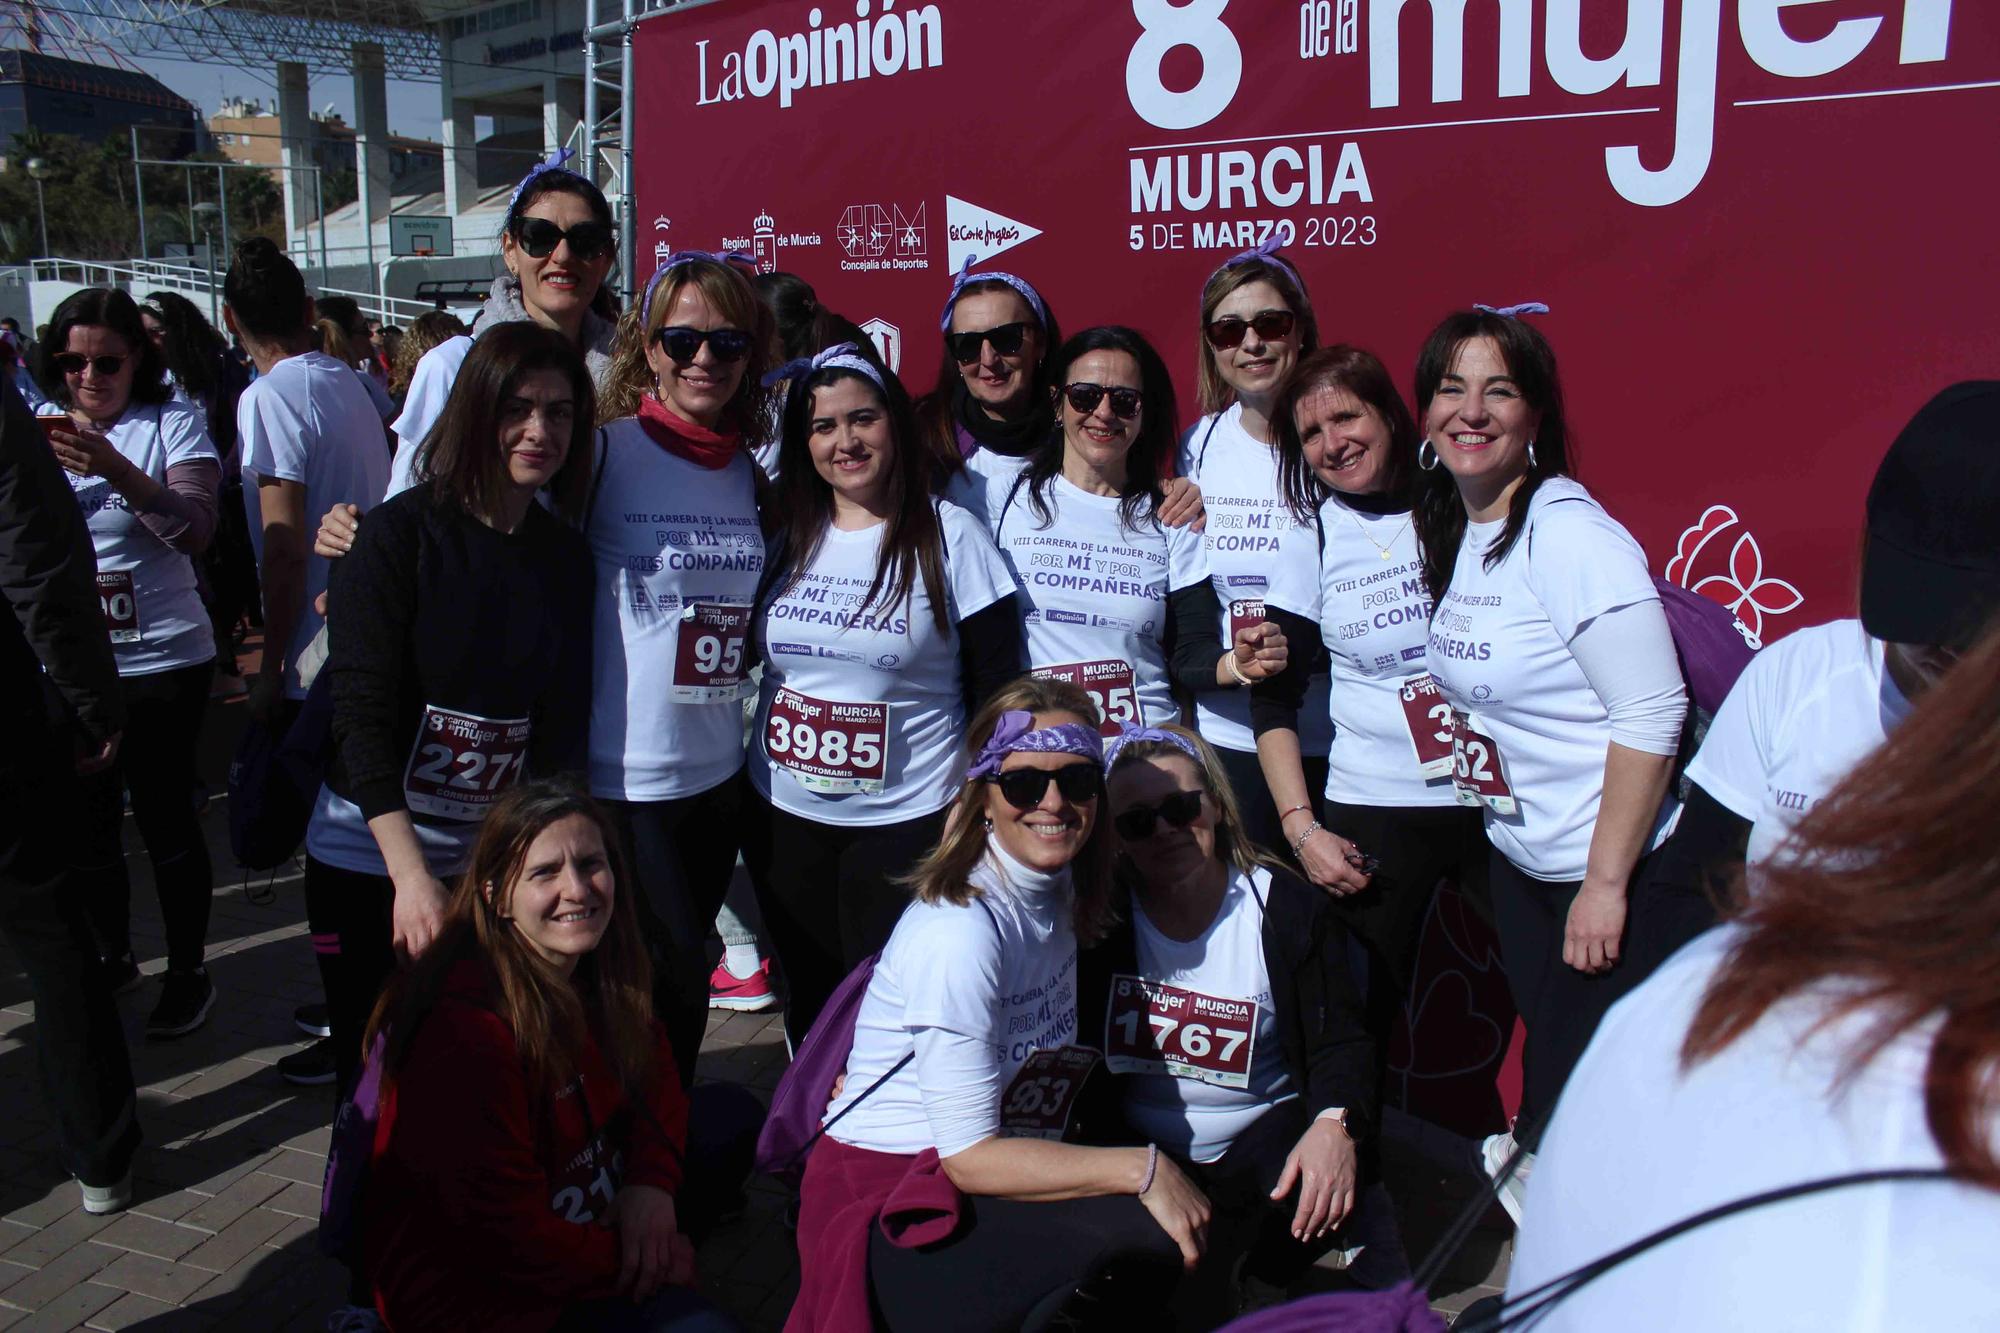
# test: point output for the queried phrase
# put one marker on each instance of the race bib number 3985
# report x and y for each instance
(830, 747)
(1109, 685)
(462, 763)
(1153, 1028)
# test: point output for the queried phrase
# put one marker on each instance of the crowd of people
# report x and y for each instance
(1093, 776)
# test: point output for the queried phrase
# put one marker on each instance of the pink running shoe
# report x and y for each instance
(750, 994)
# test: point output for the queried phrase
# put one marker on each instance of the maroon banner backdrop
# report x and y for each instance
(1765, 227)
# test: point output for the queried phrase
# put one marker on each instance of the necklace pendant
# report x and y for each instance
(1385, 555)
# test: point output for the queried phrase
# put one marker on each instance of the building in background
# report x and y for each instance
(94, 102)
(247, 132)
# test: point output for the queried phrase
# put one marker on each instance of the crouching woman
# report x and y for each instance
(532, 1128)
(943, 1192)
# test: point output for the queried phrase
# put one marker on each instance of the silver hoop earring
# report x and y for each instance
(1531, 453)
(1430, 463)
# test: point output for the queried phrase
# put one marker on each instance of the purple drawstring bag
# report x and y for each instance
(1709, 641)
(348, 1152)
(1403, 1308)
(797, 1107)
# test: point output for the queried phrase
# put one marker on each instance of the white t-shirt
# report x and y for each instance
(1803, 714)
(1374, 616)
(1499, 650)
(1200, 1108)
(982, 485)
(678, 555)
(873, 703)
(998, 975)
(1094, 593)
(1247, 517)
(309, 420)
(1638, 1143)
(152, 607)
(430, 389)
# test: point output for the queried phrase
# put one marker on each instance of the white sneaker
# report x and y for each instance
(354, 1319)
(1494, 1153)
(100, 1199)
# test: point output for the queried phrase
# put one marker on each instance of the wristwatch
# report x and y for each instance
(1350, 1123)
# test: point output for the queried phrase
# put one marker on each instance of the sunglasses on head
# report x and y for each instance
(682, 345)
(1136, 823)
(1024, 788)
(1085, 398)
(1006, 340)
(587, 240)
(1271, 325)
(72, 363)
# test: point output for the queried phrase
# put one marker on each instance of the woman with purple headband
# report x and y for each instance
(1222, 1001)
(965, 1070)
(885, 620)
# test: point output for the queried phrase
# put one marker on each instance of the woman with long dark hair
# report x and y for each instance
(1114, 599)
(146, 475)
(1553, 653)
(460, 637)
(1384, 825)
(531, 1145)
(1844, 1021)
(887, 618)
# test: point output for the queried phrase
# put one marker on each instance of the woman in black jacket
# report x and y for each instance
(1235, 1036)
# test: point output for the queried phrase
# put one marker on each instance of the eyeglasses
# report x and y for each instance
(587, 240)
(682, 345)
(1136, 823)
(1024, 788)
(1085, 398)
(1271, 325)
(1006, 340)
(72, 363)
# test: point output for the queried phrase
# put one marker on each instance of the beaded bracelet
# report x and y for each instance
(1152, 1165)
(1229, 659)
(1298, 843)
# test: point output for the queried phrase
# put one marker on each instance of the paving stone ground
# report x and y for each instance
(222, 1231)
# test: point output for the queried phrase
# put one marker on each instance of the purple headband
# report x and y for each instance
(840, 356)
(556, 163)
(680, 259)
(1131, 735)
(967, 276)
(1015, 734)
(1513, 311)
(1267, 252)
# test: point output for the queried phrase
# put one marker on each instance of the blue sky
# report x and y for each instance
(413, 107)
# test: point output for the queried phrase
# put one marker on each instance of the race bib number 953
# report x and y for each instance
(461, 763)
(1153, 1028)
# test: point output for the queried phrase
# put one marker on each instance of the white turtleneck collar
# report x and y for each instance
(1019, 879)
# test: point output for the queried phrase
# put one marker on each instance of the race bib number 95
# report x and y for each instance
(461, 763)
(1109, 685)
(1152, 1028)
(830, 747)
(708, 654)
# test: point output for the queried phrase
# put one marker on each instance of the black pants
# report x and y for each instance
(1015, 1265)
(1415, 846)
(829, 894)
(85, 1070)
(353, 936)
(682, 852)
(156, 760)
(1253, 798)
(671, 1310)
(1559, 1006)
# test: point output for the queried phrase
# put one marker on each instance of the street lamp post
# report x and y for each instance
(39, 168)
(205, 214)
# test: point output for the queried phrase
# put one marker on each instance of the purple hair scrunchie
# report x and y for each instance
(680, 259)
(1131, 735)
(1514, 311)
(1015, 734)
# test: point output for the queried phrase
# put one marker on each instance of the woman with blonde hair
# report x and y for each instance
(1222, 1002)
(965, 1066)
(426, 331)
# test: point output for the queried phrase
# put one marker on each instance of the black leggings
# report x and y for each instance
(1253, 798)
(156, 760)
(1015, 1265)
(1415, 847)
(349, 915)
(682, 852)
(828, 893)
(1559, 1006)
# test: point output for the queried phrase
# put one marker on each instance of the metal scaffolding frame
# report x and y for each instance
(318, 33)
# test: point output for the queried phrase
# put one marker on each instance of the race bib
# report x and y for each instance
(708, 654)
(1429, 717)
(1042, 1097)
(1476, 772)
(587, 1183)
(461, 764)
(830, 747)
(1153, 1028)
(120, 603)
(1244, 613)
(1109, 685)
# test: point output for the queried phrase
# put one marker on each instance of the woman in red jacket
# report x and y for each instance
(530, 1143)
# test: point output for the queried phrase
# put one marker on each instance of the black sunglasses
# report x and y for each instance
(682, 345)
(1136, 823)
(1006, 340)
(1271, 325)
(1085, 398)
(587, 240)
(1024, 788)
(72, 363)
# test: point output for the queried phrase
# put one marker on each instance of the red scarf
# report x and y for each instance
(683, 439)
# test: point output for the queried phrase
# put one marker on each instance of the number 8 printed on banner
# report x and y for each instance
(1165, 26)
